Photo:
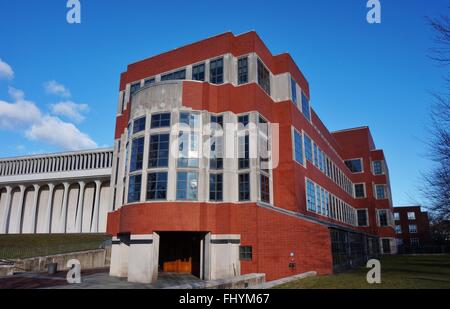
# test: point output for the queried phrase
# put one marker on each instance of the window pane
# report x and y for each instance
(139, 125)
(157, 186)
(355, 166)
(310, 195)
(134, 188)
(134, 88)
(298, 147)
(178, 75)
(187, 185)
(160, 121)
(216, 71)
(198, 72)
(308, 148)
(359, 190)
(294, 91)
(137, 154)
(362, 217)
(243, 120)
(215, 187)
(244, 152)
(244, 187)
(305, 107)
(265, 189)
(159, 151)
(263, 77)
(243, 71)
(377, 167)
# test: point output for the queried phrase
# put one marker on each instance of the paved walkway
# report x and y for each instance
(92, 279)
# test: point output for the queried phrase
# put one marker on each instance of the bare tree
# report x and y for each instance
(437, 180)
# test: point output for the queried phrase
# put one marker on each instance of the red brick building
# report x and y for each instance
(292, 196)
(412, 227)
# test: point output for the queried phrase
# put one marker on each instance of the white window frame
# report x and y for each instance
(365, 190)
(354, 159)
(294, 130)
(367, 217)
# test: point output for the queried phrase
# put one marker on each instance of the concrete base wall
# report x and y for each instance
(224, 256)
(88, 259)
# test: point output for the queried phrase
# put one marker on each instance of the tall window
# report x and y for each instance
(355, 165)
(243, 71)
(316, 155)
(362, 217)
(216, 71)
(265, 188)
(157, 186)
(398, 229)
(160, 120)
(294, 91)
(137, 154)
(383, 219)
(187, 186)
(308, 148)
(411, 215)
(244, 152)
(305, 107)
(263, 77)
(190, 119)
(413, 228)
(380, 191)
(244, 187)
(216, 161)
(159, 151)
(198, 72)
(310, 195)
(360, 191)
(139, 125)
(215, 187)
(377, 167)
(396, 216)
(188, 146)
(134, 188)
(178, 75)
(135, 87)
(415, 242)
(298, 147)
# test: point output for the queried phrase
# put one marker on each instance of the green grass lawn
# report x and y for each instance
(397, 272)
(25, 246)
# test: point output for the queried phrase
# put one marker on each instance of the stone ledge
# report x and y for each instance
(271, 284)
(240, 282)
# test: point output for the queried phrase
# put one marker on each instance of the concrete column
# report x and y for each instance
(224, 259)
(17, 227)
(6, 211)
(34, 209)
(79, 218)
(94, 227)
(63, 223)
(48, 214)
(143, 258)
(119, 256)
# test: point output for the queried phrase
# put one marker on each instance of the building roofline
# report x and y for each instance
(351, 129)
(57, 154)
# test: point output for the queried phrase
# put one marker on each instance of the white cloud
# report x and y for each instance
(19, 113)
(24, 116)
(53, 87)
(69, 109)
(64, 135)
(6, 71)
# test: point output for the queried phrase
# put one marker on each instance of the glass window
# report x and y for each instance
(244, 152)
(362, 217)
(263, 77)
(413, 228)
(216, 123)
(216, 71)
(137, 154)
(308, 148)
(134, 188)
(149, 81)
(157, 186)
(377, 167)
(187, 186)
(244, 187)
(215, 187)
(355, 166)
(398, 229)
(139, 125)
(360, 191)
(310, 195)
(159, 151)
(135, 87)
(265, 189)
(188, 146)
(316, 155)
(380, 192)
(216, 161)
(245, 253)
(178, 75)
(298, 147)
(397, 216)
(411, 215)
(305, 107)
(190, 119)
(383, 218)
(198, 72)
(243, 120)
(160, 120)
(242, 71)
(415, 242)
(294, 91)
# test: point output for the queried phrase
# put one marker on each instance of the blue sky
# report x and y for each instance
(60, 82)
